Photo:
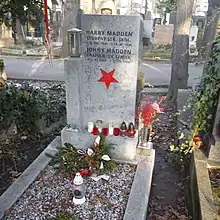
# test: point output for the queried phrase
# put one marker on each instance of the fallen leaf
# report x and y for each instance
(14, 173)
(183, 217)
(24, 137)
(135, 168)
(158, 208)
(175, 213)
(159, 217)
(151, 214)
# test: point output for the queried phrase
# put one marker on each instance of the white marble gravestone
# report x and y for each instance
(110, 48)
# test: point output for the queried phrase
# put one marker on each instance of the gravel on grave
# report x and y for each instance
(52, 193)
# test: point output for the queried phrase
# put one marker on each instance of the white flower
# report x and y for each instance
(101, 165)
(106, 158)
(81, 152)
(97, 140)
(90, 151)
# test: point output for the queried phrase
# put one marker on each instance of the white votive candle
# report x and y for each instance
(110, 130)
(90, 127)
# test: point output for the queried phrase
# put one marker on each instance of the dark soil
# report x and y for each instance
(18, 153)
(167, 199)
(214, 175)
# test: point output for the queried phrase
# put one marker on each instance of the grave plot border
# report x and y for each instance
(200, 181)
(201, 202)
(15, 191)
(135, 209)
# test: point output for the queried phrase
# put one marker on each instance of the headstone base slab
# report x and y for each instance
(124, 147)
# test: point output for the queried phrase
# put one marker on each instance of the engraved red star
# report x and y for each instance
(107, 78)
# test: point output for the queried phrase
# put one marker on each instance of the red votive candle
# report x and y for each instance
(116, 131)
(105, 131)
(95, 131)
(131, 133)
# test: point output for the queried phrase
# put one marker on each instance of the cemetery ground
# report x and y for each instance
(32, 116)
(30, 111)
(169, 197)
(169, 192)
(169, 187)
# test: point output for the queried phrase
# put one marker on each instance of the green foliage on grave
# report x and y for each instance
(204, 102)
(64, 216)
(69, 160)
(25, 105)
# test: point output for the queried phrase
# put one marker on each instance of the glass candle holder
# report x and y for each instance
(131, 130)
(95, 131)
(99, 125)
(78, 190)
(123, 129)
(105, 131)
(111, 130)
(116, 131)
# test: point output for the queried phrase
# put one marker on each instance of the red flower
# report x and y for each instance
(148, 112)
(84, 172)
(197, 142)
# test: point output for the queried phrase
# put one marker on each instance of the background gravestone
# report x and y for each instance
(101, 85)
(163, 34)
(172, 19)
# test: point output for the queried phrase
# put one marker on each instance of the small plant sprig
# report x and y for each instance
(203, 102)
(64, 216)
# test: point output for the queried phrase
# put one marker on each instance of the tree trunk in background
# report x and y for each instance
(70, 20)
(14, 31)
(180, 52)
(213, 15)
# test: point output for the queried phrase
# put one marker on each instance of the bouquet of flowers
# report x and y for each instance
(70, 160)
(149, 111)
